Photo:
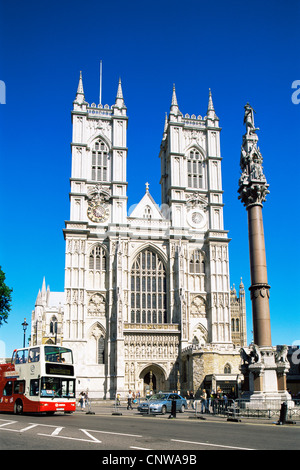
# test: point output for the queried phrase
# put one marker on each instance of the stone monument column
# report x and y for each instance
(253, 189)
(261, 366)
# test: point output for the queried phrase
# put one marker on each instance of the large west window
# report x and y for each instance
(99, 161)
(148, 289)
(195, 169)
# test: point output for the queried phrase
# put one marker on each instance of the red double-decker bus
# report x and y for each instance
(39, 379)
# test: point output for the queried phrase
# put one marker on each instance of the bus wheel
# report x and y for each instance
(18, 408)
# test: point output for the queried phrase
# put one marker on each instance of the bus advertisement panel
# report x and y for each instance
(39, 379)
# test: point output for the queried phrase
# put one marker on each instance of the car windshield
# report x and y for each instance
(160, 396)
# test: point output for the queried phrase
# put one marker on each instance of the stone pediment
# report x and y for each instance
(146, 209)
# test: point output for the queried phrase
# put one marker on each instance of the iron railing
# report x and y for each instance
(240, 408)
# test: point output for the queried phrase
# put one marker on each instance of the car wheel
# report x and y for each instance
(163, 410)
(182, 409)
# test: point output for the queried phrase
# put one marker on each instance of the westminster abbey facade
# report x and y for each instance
(147, 303)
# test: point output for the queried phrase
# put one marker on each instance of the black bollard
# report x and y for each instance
(283, 413)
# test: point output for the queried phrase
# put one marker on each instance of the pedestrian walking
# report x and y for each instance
(188, 398)
(81, 401)
(118, 403)
(129, 400)
(192, 399)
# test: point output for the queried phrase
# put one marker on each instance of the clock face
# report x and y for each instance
(97, 212)
(197, 219)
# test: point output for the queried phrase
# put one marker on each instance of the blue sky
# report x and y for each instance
(242, 51)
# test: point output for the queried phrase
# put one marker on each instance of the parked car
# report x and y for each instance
(162, 403)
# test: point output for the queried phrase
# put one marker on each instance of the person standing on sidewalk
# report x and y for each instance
(204, 401)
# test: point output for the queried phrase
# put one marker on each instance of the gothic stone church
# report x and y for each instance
(147, 303)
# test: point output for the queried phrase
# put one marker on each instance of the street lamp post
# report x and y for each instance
(24, 324)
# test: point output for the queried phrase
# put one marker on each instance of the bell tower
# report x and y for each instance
(192, 199)
(99, 154)
(98, 210)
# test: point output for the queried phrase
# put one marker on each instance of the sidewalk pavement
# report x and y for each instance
(108, 407)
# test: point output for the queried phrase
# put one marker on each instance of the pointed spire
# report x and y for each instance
(174, 105)
(166, 122)
(44, 287)
(210, 109)
(38, 299)
(210, 102)
(80, 93)
(120, 92)
(80, 85)
(174, 98)
(119, 99)
(165, 127)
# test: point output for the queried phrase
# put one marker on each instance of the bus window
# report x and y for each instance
(7, 389)
(19, 386)
(58, 354)
(34, 355)
(21, 356)
(34, 387)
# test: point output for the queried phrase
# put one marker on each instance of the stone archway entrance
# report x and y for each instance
(154, 379)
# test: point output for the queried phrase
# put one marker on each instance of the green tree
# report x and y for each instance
(5, 298)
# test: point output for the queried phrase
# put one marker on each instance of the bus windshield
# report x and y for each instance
(58, 354)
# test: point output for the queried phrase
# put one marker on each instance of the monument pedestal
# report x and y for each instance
(265, 372)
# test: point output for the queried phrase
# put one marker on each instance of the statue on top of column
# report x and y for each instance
(249, 120)
(253, 186)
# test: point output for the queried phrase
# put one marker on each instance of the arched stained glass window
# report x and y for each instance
(148, 289)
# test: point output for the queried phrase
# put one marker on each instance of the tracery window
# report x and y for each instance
(53, 325)
(97, 345)
(195, 169)
(148, 289)
(100, 350)
(97, 259)
(99, 161)
(197, 263)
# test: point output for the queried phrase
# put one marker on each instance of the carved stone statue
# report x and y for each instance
(251, 354)
(255, 352)
(281, 355)
(245, 355)
(249, 120)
